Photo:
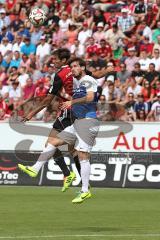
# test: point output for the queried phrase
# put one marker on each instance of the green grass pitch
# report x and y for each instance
(46, 213)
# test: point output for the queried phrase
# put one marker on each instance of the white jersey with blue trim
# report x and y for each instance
(81, 87)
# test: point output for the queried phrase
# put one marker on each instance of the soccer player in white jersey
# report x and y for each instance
(85, 128)
(83, 131)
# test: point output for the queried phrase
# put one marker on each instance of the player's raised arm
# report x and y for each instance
(53, 91)
(44, 103)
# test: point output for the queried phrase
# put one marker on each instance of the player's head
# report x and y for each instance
(61, 57)
(78, 67)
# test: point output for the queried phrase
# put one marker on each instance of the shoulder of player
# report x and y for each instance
(87, 78)
(65, 71)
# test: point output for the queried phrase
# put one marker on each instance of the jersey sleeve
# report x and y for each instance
(56, 86)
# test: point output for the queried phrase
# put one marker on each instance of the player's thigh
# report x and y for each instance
(68, 135)
(86, 132)
(53, 134)
(54, 139)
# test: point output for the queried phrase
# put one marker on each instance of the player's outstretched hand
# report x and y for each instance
(66, 105)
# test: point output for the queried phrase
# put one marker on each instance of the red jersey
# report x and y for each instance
(4, 106)
(28, 91)
(155, 8)
(148, 47)
(156, 91)
(39, 92)
(10, 4)
(62, 79)
(112, 20)
(104, 51)
(91, 49)
(147, 93)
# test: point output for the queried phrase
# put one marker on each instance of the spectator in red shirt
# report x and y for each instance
(156, 6)
(3, 115)
(113, 18)
(148, 93)
(3, 105)
(92, 47)
(29, 89)
(104, 51)
(146, 45)
(157, 89)
(41, 90)
(64, 6)
(132, 42)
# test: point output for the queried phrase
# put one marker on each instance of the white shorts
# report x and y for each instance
(81, 134)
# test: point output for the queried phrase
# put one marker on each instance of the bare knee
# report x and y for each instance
(55, 141)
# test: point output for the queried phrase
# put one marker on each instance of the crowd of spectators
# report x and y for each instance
(121, 38)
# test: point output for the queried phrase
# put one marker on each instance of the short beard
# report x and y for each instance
(79, 76)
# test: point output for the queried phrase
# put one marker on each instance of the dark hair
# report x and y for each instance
(123, 64)
(152, 64)
(102, 40)
(102, 95)
(148, 89)
(137, 64)
(81, 62)
(14, 67)
(138, 114)
(33, 65)
(115, 25)
(62, 53)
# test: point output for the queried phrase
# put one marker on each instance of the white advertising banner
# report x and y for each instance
(112, 137)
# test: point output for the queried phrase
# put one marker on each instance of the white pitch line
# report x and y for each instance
(83, 235)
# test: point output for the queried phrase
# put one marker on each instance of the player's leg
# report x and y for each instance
(69, 179)
(48, 151)
(74, 153)
(69, 176)
(84, 144)
(85, 169)
(65, 120)
(58, 156)
(62, 122)
(85, 193)
(68, 136)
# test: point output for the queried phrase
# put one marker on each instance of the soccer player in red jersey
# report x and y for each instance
(63, 80)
